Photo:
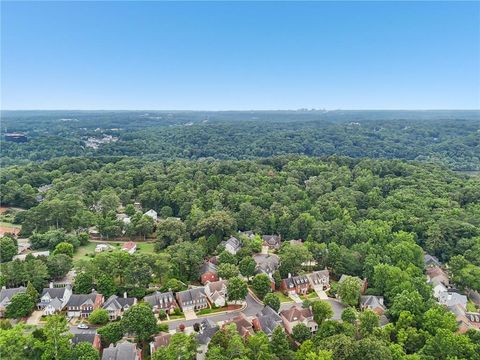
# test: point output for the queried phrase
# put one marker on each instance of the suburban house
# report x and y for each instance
(6, 296)
(436, 275)
(192, 299)
(217, 292)
(266, 264)
(116, 306)
(465, 320)
(53, 300)
(207, 329)
(124, 350)
(319, 280)
(162, 301)
(298, 315)
(152, 213)
(208, 272)
(295, 285)
(295, 242)
(244, 327)
(431, 261)
(129, 247)
(267, 320)
(374, 303)
(82, 305)
(450, 298)
(124, 218)
(102, 247)
(91, 338)
(161, 340)
(272, 241)
(232, 245)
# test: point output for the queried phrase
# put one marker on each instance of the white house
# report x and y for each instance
(232, 245)
(152, 213)
(101, 247)
(216, 292)
(53, 300)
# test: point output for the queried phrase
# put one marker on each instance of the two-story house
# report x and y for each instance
(232, 245)
(123, 350)
(267, 320)
(82, 305)
(192, 299)
(208, 272)
(216, 292)
(273, 242)
(162, 301)
(374, 303)
(244, 326)
(53, 300)
(6, 296)
(116, 306)
(295, 285)
(298, 315)
(319, 280)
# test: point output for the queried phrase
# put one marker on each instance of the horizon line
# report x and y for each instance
(246, 110)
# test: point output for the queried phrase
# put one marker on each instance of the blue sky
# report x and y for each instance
(243, 55)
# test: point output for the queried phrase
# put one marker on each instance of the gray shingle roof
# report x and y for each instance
(118, 302)
(234, 243)
(268, 320)
(80, 299)
(372, 301)
(87, 337)
(159, 299)
(207, 330)
(296, 281)
(194, 294)
(7, 294)
(122, 351)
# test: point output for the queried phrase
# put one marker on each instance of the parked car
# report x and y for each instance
(82, 326)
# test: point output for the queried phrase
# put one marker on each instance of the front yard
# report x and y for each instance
(87, 252)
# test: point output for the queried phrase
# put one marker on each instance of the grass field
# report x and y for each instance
(7, 224)
(83, 251)
(282, 297)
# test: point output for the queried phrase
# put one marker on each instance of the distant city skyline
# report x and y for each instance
(220, 56)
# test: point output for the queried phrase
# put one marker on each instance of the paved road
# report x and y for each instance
(253, 307)
(75, 330)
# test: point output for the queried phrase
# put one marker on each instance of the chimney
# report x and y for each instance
(125, 294)
(50, 285)
(289, 275)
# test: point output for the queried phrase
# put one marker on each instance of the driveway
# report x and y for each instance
(321, 294)
(252, 308)
(34, 319)
(190, 314)
(295, 298)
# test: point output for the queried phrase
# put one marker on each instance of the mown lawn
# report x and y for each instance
(89, 249)
(282, 297)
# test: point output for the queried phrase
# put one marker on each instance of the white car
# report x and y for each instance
(82, 326)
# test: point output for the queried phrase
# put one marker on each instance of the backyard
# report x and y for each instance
(87, 252)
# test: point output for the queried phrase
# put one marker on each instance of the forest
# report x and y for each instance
(367, 193)
(449, 138)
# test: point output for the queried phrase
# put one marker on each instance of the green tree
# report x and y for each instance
(59, 265)
(247, 266)
(301, 332)
(83, 283)
(349, 290)
(437, 318)
(262, 285)
(85, 351)
(272, 300)
(368, 322)
(170, 231)
(32, 292)
(181, 347)
(237, 289)
(186, 259)
(258, 347)
(140, 320)
(349, 315)
(18, 344)
(8, 249)
(57, 339)
(279, 344)
(227, 271)
(106, 286)
(98, 317)
(292, 258)
(64, 248)
(227, 258)
(111, 333)
(322, 311)
(21, 305)
(218, 223)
